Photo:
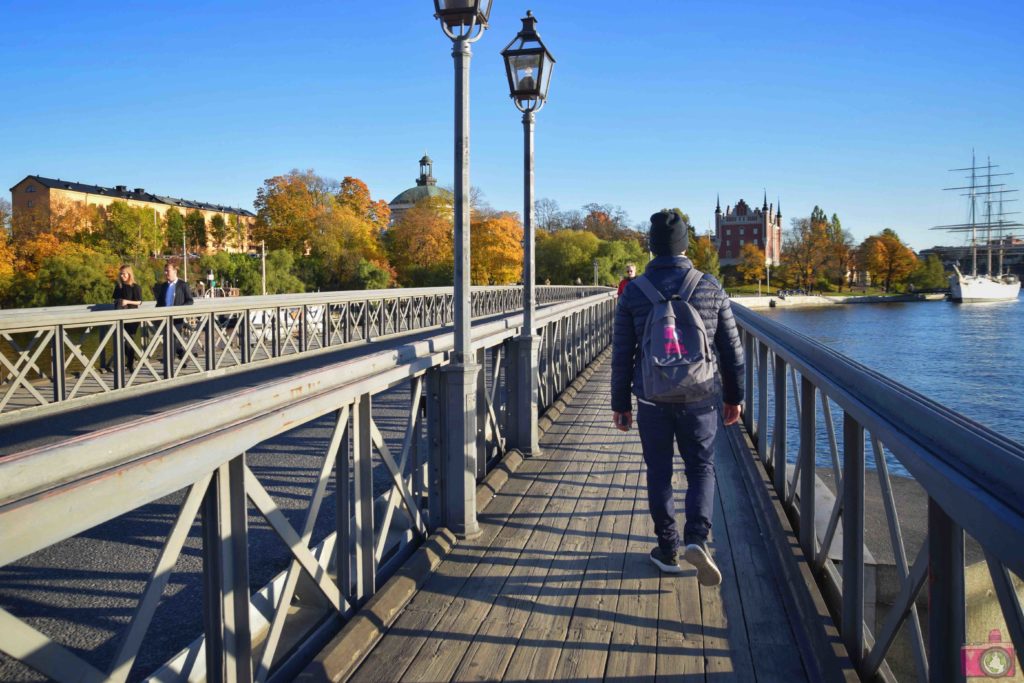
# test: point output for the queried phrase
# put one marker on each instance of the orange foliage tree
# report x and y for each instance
(421, 243)
(497, 250)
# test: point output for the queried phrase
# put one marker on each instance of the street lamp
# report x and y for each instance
(528, 65)
(464, 22)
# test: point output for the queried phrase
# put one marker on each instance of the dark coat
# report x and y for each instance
(182, 294)
(711, 302)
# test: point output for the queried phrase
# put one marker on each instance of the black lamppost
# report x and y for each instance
(528, 65)
(464, 22)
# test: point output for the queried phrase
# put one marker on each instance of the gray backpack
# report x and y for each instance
(676, 362)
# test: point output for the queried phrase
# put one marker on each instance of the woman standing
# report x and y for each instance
(128, 294)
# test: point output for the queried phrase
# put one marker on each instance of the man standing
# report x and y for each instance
(173, 292)
(691, 424)
(630, 276)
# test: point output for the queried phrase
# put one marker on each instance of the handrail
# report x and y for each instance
(63, 355)
(53, 492)
(972, 475)
(975, 473)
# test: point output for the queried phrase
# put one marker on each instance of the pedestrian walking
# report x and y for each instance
(629, 277)
(127, 294)
(685, 413)
(173, 292)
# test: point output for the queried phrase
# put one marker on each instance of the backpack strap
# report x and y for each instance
(690, 282)
(649, 290)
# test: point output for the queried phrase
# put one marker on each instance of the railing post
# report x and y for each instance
(853, 538)
(343, 514)
(245, 337)
(762, 401)
(362, 462)
(748, 393)
(460, 447)
(434, 396)
(226, 576)
(119, 379)
(808, 470)
(57, 359)
(525, 434)
(211, 336)
(169, 344)
(946, 610)
(481, 414)
(303, 328)
(779, 435)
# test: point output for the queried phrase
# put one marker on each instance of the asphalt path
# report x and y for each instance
(83, 591)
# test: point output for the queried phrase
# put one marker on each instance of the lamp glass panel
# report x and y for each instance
(525, 71)
(545, 76)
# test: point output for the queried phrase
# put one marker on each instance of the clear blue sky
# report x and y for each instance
(859, 107)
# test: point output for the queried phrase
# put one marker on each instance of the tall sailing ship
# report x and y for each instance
(995, 284)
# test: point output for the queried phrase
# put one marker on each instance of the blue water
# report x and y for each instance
(969, 357)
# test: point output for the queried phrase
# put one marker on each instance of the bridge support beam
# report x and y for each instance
(946, 610)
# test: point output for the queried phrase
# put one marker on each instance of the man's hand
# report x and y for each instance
(623, 421)
(731, 413)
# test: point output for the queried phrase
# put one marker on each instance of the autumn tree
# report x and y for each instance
(76, 274)
(421, 243)
(752, 264)
(838, 247)
(355, 195)
(174, 228)
(497, 250)
(887, 258)
(7, 265)
(219, 231)
(704, 255)
(546, 214)
(804, 249)
(195, 230)
(292, 208)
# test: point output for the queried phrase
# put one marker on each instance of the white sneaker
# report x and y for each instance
(707, 571)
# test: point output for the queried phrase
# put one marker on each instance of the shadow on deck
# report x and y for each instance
(559, 585)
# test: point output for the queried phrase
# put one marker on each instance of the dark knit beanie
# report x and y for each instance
(669, 235)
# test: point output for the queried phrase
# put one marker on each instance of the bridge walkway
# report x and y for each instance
(559, 585)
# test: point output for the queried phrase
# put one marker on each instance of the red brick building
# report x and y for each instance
(741, 225)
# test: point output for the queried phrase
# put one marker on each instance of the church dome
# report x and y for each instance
(426, 186)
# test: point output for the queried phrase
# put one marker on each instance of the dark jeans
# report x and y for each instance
(129, 351)
(694, 430)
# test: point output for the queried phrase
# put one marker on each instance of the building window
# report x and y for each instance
(741, 232)
(728, 231)
(30, 188)
(30, 203)
(741, 243)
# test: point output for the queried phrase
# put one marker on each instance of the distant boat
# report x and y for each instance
(994, 284)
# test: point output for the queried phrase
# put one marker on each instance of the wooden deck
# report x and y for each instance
(559, 585)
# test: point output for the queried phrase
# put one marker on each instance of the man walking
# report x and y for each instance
(173, 292)
(691, 421)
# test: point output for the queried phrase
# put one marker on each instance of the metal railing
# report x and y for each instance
(973, 478)
(59, 491)
(57, 355)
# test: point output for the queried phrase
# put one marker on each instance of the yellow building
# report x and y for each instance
(36, 200)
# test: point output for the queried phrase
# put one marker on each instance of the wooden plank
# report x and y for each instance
(633, 648)
(441, 651)
(772, 643)
(403, 642)
(680, 622)
(726, 646)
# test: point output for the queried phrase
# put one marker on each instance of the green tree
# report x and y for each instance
(280, 278)
(929, 274)
(704, 255)
(612, 258)
(370, 275)
(76, 275)
(195, 229)
(219, 231)
(566, 255)
(174, 229)
(130, 231)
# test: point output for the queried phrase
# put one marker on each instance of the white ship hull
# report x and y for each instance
(975, 288)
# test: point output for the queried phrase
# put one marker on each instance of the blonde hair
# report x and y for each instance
(131, 273)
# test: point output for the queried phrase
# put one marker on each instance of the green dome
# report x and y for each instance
(415, 194)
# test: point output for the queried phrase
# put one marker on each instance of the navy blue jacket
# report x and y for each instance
(711, 302)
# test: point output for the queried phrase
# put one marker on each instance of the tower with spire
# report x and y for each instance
(742, 224)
